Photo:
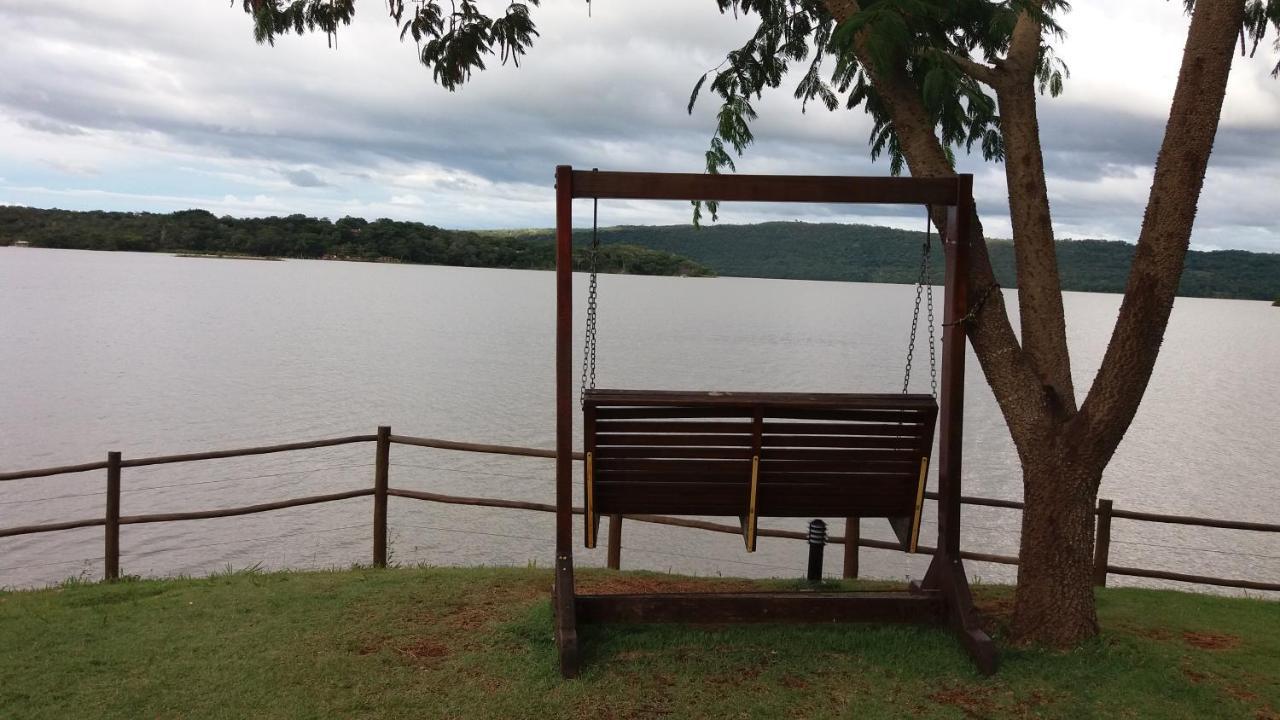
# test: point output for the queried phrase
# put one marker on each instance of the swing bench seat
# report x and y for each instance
(752, 455)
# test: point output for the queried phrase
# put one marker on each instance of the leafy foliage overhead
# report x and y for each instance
(930, 41)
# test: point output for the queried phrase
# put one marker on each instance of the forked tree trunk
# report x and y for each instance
(1064, 450)
(1054, 604)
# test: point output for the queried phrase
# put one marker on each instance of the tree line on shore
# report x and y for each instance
(789, 250)
(864, 253)
(299, 236)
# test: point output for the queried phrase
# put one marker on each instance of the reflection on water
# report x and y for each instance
(150, 354)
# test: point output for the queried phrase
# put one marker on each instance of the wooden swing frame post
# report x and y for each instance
(943, 596)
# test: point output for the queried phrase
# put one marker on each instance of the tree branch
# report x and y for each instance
(1024, 43)
(981, 72)
(1016, 386)
(1166, 227)
(1044, 329)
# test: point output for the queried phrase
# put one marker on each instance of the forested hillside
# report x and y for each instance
(299, 236)
(867, 253)
(811, 251)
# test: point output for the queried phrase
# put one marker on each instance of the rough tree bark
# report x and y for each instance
(1064, 450)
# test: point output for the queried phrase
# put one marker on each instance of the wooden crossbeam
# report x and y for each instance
(762, 607)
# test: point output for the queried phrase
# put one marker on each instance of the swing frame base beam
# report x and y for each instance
(762, 607)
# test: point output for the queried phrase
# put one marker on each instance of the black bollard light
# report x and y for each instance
(817, 541)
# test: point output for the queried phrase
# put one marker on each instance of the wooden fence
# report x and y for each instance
(381, 490)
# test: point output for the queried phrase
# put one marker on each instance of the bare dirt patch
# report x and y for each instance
(423, 650)
(1211, 641)
(973, 703)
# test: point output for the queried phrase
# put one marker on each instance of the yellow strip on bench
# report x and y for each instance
(751, 506)
(915, 521)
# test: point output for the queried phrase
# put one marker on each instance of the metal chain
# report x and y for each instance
(924, 287)
(589, 349)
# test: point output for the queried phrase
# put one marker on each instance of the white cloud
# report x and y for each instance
(173, 103)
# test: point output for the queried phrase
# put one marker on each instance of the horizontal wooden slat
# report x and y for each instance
(604, 477)
(852, 429)
(665, 413)
(601, 397)
(50, 527)
(843, 455)
(760, 607)
(764, 188)
(709, 453)
(786, 467)
(842, 441)
(242, 452)
(670, 426)
(692, 474)
(911, 418)
(245, 509)
(674, 439)
(686, 465)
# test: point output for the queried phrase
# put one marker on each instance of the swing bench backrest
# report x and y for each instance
(757, 454)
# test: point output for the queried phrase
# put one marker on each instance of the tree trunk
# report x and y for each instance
(1053, 604)
(1064, 452)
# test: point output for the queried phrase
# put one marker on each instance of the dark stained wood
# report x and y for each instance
(565, 617)
(781, 429)
(840, 441)
(761, 607)
(605, 427)
(1189, 578)
(51, 527)
(764, 188)
(985, 502)
(245, 509)
(689, 471)
(111, 550)
(263, 450)
(615, 543)
(45, 472)
(477, 501)
(609, 452)
(951, 396)
(382, 458)
(672, 439)
(748, 400)
(852, 533)
(910, 456)
(477, 447)
(1191, 520)
(1102, 544)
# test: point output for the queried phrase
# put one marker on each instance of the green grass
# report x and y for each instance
(476, 643)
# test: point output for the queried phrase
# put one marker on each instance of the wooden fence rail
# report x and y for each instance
(381, 491)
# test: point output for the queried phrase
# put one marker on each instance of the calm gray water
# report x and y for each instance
(151, 354)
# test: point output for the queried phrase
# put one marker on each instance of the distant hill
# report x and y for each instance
(794, 250)
(299, 236)
(866, 253)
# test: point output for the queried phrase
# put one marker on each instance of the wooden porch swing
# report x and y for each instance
(749, 455)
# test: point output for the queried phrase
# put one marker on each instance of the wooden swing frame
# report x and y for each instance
(943, 596)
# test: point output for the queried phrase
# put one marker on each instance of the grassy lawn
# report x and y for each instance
(476, 643)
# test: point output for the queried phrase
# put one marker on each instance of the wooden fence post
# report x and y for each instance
(382, 458)
(852, 534)
(1102, 544)
(615, 542)
(111, 553)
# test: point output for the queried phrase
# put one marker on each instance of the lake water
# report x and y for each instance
(152, 354)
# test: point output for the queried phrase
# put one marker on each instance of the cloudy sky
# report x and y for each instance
(163, 105)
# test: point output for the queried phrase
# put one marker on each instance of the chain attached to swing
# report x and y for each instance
(924, 286)
(589, 349)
